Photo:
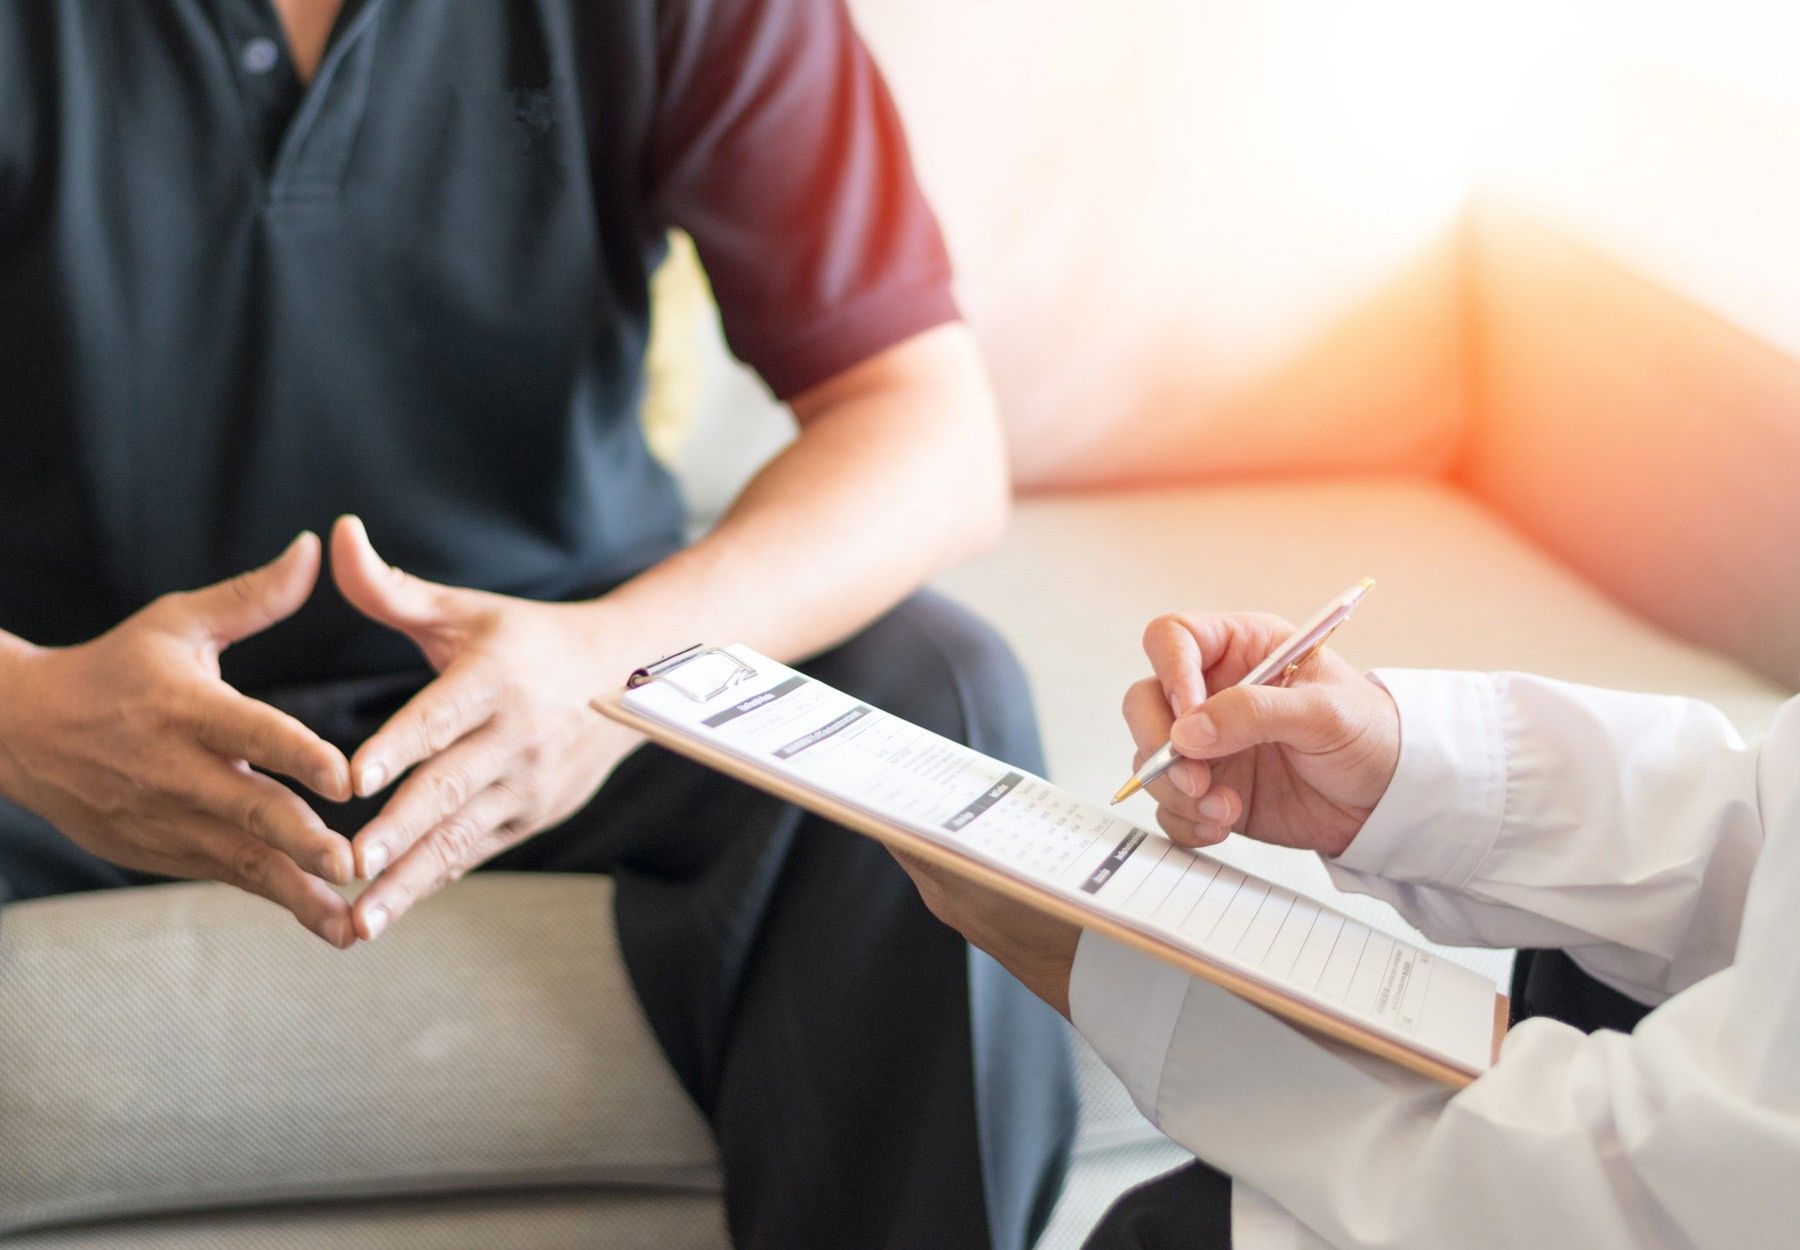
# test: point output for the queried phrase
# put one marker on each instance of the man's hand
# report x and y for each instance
(136, 750)
(1301, 765)
(500, 746)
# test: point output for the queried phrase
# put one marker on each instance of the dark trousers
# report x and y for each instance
(871, 1081)
(1191, 1206)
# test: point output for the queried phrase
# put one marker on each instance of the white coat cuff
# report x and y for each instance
(1443, 810)
(1125, 1003)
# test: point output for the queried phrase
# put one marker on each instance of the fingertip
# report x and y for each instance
(338, 864)
(1234, 805)
(331, 778)
(340, 932)
(371, 776)
(301, 553)
(333, 926)
(349, 550)
(371, 920)
(349, 525)
(371, 855)
(1186, 693)
(288, 579)
(1190, 777)
(1196, 733)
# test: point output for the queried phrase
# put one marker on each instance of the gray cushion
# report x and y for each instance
(615, 1219)
(187, 1047)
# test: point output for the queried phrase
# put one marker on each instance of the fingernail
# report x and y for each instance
(1184, 781)
(374, 858)
(1214, 807)
(340, 932)
(375, 920)
(374, 776)
(1196, 731)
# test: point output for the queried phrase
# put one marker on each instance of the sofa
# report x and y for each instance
(1547, 460)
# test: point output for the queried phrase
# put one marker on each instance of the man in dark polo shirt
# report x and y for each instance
(267, 263)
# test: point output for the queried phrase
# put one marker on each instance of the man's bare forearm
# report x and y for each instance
(899, 472)
(13, 652)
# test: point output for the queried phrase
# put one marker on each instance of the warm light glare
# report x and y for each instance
(1166, 212)
(1418, 92)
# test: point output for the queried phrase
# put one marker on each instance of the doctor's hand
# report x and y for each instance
(500, 746)
(136, 749)
(1302, 765)
(1036, 948)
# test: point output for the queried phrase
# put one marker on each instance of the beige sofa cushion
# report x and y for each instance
(1078, 577)
(613, 1219)
(187, 1047)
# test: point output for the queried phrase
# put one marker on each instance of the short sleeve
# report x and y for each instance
(777, 147)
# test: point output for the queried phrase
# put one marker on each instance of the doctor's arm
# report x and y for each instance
(1682, 1133)
(1679, 1133)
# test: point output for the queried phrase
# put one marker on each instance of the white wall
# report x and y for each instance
(1666, 135)
(1156, 204)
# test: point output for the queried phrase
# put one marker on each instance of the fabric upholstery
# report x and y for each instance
(615, 1220)
(1642, 439)
(1078, 577)
(187, 1047)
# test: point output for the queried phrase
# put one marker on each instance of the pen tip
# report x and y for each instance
(1125, 791)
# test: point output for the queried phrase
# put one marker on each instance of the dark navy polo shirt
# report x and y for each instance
(232, 308)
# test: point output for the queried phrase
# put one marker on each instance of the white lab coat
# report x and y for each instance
(1638, 833)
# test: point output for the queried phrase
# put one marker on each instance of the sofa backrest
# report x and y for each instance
(1643, 440)
(1635, 331)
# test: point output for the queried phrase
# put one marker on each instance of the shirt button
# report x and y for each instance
(260, 55)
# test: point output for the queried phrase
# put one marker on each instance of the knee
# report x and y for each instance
(1190, 1206)
(939, 665)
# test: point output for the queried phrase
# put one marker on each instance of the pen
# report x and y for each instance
(1273, 671)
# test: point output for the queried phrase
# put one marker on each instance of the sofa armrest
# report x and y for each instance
(1643, 441)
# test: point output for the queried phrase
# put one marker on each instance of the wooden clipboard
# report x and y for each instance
(897, 837)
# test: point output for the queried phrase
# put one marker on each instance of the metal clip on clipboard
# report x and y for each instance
(700, 673)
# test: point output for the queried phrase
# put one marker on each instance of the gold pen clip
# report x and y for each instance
(1288, 672)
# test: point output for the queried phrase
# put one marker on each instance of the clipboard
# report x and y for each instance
(720, 670)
